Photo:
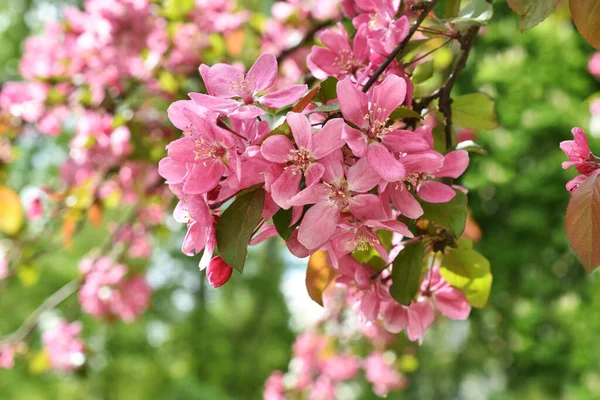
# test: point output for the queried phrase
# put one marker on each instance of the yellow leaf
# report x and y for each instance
(39, 363)
(11, 211)
(318, 275)
(28, 275)
(586, 15)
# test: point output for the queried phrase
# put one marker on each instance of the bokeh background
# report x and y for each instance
(537, 339)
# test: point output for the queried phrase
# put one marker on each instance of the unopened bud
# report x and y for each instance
(218, 272)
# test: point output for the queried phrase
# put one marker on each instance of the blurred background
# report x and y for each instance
(537, 339)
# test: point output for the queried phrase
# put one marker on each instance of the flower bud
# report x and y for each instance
(218, 272)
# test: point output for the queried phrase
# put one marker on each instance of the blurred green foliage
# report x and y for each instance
(535, 340)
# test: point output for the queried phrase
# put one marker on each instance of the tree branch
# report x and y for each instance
(31, 322)
(426, 6)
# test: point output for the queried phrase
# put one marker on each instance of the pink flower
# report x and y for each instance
(274, 389)
(35, 209)
(201, 234)
(339, 192)
(384, 30)
(323, 389)
(300, 159)
(381, 373)
(64, 347)
(7, 357)
(370, 113)
(232, 93)
(218, 272)
(594, 65)
(338, 59)
(106, 292)
(341, 367)
(579, 154)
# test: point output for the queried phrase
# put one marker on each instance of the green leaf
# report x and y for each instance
(477, 12)
(177, 9)
(468, 271)
(283, 129)
(410, 47)
(403, 112)
(423, 72)
(328, 89)
(532, 12)
(474, 111)
(282, 220)
(406, 272)
(583, 222)
(325, 108)
(236, 226)
(451, 8)
(451, 215)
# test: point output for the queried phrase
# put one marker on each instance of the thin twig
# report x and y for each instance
(31, 322)
(414, 60)
(426, 7)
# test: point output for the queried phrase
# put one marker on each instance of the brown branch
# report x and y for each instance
(305, 40)
(31, 322)
(426, 7)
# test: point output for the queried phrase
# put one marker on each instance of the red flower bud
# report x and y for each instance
(218, 272)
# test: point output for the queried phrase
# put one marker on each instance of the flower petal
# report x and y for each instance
(455, 164)
(314, 173)
(203, 178)
(285, 188)
(284, 97)
(328, 139)
(384, 163)
(318, 225)
(405, 202)
(361, 177)
(316, 193)
(355, 140)
(218, 79)
(263, 73)
(277, 148)
(224, 106)
(301, 129)
(435, 192)
(387, 97)
(353, 103)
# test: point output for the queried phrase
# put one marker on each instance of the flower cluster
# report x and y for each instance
(63, 346)
(325, 358)
(108, 293)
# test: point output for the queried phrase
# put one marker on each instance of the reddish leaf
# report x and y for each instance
(318, 275)
(586, 15)
(583, 223)
(305, 101)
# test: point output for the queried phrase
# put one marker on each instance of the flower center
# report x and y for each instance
(208, 151)
(376, 124)
(243, 88)
(300, 159)
(339, 194)
(345, 62)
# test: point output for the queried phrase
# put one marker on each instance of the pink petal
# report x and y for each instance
(318, 225)
(284, 97)
(313, 194)
(369, 306)
(313, 173)
(285, 188)
(277, 148)
(355, 140)
(195, 239)
(295, 247)
(384, 163)
(171, 170)
(176, 116)
(353, 103)
(218, 79)
(361, 177)
(388, 96)
(328, 139)
(202, 179)
(395, 318)
(405, 142)
(393, 225)
(420, 318)
(455, 163)
(334, 40)
(334, 166)
(263, 73)
(224, 106)
(405, 202)
(324, 59)
(452, 303)
(301, 129)
(248, 111)
(435, 192)
(367, 206)
(182, 150)
(423, 162)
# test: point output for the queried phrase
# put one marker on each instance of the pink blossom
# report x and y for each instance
(323, 389)
(7, 357)
(383, 375)
(106, 292)
(594, 65)
(24, 99)
(201, 234)
(579, 154)
(35, 209)
(232, 93)
(341, 367)
(384, 30)
(300, 159)
(64, 347)
(274, 389)
(338, 58)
